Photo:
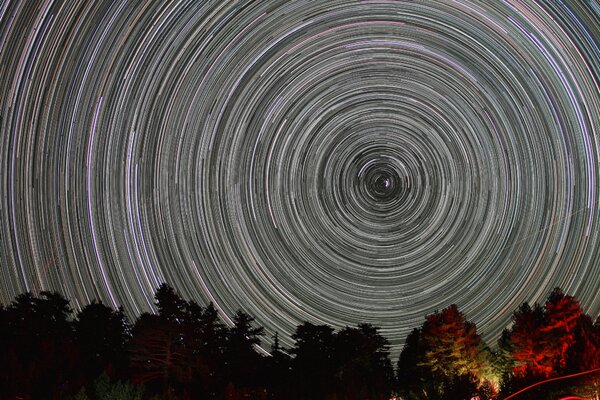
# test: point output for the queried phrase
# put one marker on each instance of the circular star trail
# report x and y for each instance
(331, 161)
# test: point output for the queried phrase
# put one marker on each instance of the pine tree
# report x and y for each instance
(363, 368)
(102, 334)
(158, 355)
(278, 370)
(242, 360)
(314, 361)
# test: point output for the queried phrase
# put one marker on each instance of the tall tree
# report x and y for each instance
(205, 341)
(562, 315)
(528, 343)
(550, 341)
(452, 344)
(58, 354)
(158, 355)
(446, 356)
(171, 307)
(242, 360)
(314, 361)
(278, 371)
(102, 334)
(41, 353)
(584, 354)
(362, 362)
(414, 380)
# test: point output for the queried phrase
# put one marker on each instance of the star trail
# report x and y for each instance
(330, 161)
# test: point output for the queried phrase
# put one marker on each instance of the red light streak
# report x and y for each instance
(551, 380)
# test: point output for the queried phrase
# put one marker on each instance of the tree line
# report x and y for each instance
(447, 359)
(185, 351)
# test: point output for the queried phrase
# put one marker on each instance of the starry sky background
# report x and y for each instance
(331, 161)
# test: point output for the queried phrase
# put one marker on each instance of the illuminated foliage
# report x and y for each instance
(552, 341)
(446, 358)
(562, 315)
(452, 343)
(527, 343)
(584, 354)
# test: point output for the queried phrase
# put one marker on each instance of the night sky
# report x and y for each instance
(331, 161)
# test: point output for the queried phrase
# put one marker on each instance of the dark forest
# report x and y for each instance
(185, 351)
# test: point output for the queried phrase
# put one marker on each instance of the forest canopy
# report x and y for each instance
(186, 351)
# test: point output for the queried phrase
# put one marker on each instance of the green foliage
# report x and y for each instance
(106, 390)
(445, 358)
(81, 395)
(453, 347)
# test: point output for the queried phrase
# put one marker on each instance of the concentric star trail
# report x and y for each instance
(331, 161)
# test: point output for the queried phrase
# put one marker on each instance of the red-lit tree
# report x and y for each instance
(562, 314)
(584, 355)
(528, 343)
(156, 355)
(549, 342)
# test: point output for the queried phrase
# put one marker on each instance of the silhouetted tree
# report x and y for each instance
(158, 356)
(102, 334)
(40, 351)
(314, 361)
(363, 368)
(504, 360)
(171, 307)
(278, 371)
(185, 352)
(205, 340)
(5, 346)
(242, 361)
(414, 380)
